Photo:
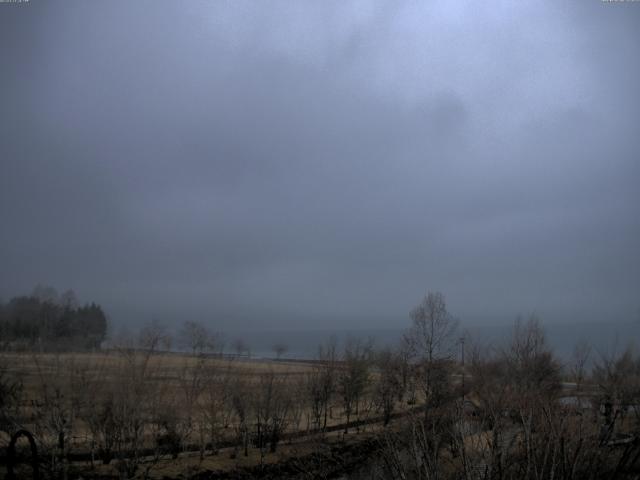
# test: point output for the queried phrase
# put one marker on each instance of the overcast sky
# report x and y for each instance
(325, 163)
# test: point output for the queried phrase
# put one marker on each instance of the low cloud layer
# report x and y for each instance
(322, 164)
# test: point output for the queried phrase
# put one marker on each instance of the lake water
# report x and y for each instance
(604, 338)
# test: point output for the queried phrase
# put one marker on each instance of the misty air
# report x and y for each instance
(318, 239)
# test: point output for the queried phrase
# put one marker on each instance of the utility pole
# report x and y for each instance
(462, 347)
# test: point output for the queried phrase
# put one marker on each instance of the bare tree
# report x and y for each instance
(421, 442)
(404, 356)
(279, 349)
(53, 412)
(579, 361)
(154, 337)
(388, 382)
(95, 406)
(136, 403)
(240, 395)
(271, 403)
(533, 368)
(327, 366)
(432, 331)
(432, 339)
(297, 391)
(191, 385)
(11, 392)
(618, 377)
(353, 377)
(534, 377)
(314, 386)
(241, 347)
(216, 403)
(198, 339)
(490, 385)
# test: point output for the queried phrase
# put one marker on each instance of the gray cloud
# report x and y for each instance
(274, 164)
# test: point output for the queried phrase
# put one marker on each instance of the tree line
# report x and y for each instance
(45, 320)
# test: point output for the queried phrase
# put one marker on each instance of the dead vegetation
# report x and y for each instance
(414, 412)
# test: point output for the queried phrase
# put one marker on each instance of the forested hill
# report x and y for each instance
(46, 321)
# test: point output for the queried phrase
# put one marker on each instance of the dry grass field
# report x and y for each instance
(35, 369)
(139, 413)
(166, 414)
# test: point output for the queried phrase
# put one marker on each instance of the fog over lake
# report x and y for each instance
(604, 339)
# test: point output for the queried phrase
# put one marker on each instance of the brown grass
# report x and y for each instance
(63, 370)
